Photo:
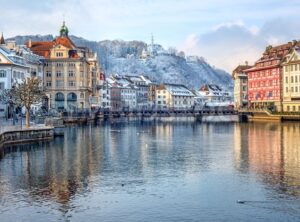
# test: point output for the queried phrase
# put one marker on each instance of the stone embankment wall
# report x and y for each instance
(18, 136)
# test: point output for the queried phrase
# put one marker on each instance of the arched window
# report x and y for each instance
(72, 101)
(59, 101)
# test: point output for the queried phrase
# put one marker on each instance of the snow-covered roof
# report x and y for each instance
(12, 57)
(178, 90)
(212, 90)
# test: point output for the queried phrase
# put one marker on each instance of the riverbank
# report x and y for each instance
(17, 135)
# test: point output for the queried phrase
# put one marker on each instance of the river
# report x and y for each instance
(156, 171)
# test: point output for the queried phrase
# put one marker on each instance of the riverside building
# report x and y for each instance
(71, 74)
(291, 81)
(240, 86)
(265, 78)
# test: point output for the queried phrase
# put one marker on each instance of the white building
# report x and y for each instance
(213, 95)
(13, 69)
(142, 90)
(174, 96)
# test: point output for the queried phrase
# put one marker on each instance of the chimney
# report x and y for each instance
(29, 43)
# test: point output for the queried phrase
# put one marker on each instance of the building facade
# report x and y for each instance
(70, 73)
(240, 86)
(13, 69)
(174, 96)
(291, 81)
(265, 78)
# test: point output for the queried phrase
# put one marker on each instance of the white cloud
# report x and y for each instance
(234, 43)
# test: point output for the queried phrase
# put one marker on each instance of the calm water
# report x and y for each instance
(156, 172)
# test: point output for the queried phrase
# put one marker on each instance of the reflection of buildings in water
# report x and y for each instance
(272, 153)
(240, 135)
(291, 153)
(57, 170)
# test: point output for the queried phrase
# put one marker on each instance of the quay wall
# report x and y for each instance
(20, 136)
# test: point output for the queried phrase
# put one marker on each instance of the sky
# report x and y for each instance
(225, 32)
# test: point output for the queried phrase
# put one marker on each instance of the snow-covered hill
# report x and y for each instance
(123, 58)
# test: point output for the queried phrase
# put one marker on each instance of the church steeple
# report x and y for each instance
(2, 41)
(64, 31)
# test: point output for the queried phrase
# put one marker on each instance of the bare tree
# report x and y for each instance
(27, 93)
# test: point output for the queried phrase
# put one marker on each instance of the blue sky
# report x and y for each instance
(225, 32)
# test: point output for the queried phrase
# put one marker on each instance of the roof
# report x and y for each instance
(212, 90)
(43, 48)
(12, 57)
(177, 89)
(241, 68)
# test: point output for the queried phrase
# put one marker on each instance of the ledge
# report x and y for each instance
(16, 135)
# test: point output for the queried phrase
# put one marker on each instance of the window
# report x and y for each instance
(71, 73)
(294, 108)
(292, 79)
(296, 89)
(59, 54)
(286, 89)
(72, 83)
(48, 73)
(72, 64)
(81, 73)
(286, 79)
(292, 89)
(296, 78)
(58, 73)
(59, 83)
(1, 85)
(48, 84)
(288, 108)
(2, 73)
(292, 68)
(296, 67)
(286, 68)
(59, 64)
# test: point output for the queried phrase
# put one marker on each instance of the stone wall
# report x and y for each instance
(26, 135)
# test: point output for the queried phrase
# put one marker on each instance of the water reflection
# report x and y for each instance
(270, 151)
(151, 170)
(90, 156)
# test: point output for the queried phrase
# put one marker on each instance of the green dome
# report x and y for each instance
(64, 31)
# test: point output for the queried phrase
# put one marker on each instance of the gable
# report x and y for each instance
(4, 60)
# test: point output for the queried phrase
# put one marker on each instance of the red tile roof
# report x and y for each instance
(43, 48)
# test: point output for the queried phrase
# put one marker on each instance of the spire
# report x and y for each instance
(2, 42)
(64, 31)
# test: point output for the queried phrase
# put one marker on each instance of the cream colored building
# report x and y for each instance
(291, 82)
(174, 96)
(70, 73)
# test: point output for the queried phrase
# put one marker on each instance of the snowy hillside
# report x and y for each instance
(120, 57)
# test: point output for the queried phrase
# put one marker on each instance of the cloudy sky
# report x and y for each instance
(225, 32)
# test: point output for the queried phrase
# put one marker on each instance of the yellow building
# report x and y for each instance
(291, 82)
(70, 73)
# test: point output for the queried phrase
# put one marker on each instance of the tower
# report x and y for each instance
(2, 41)
(64, 31)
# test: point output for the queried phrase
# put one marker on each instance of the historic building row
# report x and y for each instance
(272, 82)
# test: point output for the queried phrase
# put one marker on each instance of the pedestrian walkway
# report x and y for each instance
(7, 125)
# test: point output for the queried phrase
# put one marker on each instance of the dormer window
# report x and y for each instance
(59, 54)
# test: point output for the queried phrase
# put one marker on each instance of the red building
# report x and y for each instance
(264, 78)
